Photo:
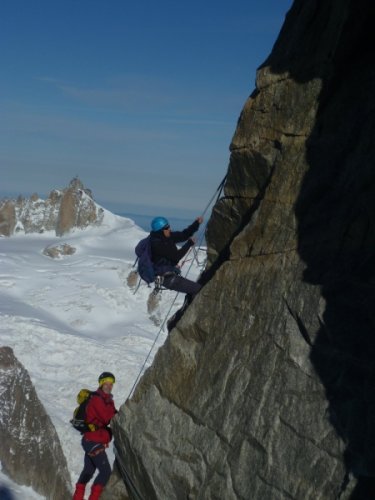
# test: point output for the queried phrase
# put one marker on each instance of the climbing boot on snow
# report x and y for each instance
(96, 490)
(79, 493)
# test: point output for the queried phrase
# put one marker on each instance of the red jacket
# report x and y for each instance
(99, 411)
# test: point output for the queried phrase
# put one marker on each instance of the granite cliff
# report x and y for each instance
(265, 387)
(30, 451)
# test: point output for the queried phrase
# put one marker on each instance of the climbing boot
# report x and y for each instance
(79, 493)
(96, 490)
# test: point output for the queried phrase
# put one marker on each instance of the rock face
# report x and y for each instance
(57, 251)
(77, 209)
(30, 451)
(265, 389)
(35, 215)
(61, 211)
(115, 488)
(7, 218)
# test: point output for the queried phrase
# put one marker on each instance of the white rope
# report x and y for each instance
(195, 251)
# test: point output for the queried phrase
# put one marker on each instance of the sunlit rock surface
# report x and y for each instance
(63, 210)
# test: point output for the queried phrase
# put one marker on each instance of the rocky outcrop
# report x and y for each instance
(72, 207)
(57, 251)
(77, 209)
(115, 488)
(30, 451)
(264, 389)
(35, 215)
(7, 218)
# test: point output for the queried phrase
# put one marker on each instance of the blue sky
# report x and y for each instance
(139, 99)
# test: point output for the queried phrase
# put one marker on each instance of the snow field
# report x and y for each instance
(70, 319)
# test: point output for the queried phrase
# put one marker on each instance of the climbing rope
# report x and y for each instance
(136, 288)
(216, 194)
(152, 347)
(195, 251)
(130, 486)
(132, 489)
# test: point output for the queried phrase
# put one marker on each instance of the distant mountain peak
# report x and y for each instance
(63, 210)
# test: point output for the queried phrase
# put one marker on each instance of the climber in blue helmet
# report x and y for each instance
(166, 255)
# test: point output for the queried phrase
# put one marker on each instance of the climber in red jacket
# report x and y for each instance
(99, 411)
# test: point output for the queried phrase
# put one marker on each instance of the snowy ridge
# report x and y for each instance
(62, 211)
(39, 214)
(71, 318)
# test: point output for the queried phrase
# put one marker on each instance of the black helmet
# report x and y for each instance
(106, 377)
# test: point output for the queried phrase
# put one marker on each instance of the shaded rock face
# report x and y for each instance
(265, 389)
(30, 451)
(61, 211)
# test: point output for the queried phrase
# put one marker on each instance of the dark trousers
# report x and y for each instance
(95, 458)
(180, 284)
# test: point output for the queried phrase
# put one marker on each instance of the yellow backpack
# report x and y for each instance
(79, 415)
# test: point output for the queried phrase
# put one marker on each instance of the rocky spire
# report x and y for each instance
(30, 451)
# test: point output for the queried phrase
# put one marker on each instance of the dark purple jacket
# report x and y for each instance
(165, 253)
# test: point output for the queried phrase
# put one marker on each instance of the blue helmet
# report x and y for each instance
(158, 223)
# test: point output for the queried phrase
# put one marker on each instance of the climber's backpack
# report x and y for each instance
(79, 416)
(145, 266)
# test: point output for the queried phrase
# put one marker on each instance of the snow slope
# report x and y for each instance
(69, 319)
